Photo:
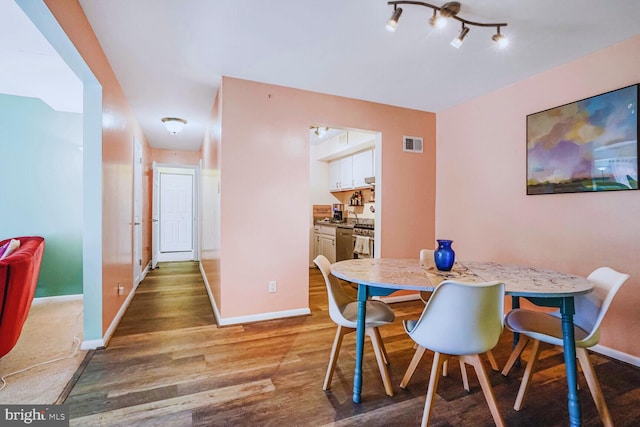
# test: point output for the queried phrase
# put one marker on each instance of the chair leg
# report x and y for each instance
(434, 377)
(335, 351)
(481, 372)
(492, 361)
(465, 377)
(417, 356)
(377, 348)
(515, 353)
(526, 377)
(594, 386)
(384, 350)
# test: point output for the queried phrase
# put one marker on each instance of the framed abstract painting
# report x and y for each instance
(585, 146)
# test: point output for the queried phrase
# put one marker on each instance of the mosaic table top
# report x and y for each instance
(406, 273)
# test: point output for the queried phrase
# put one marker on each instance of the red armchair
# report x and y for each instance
(19, 273)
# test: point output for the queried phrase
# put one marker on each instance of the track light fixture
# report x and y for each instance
(392, 23)
(441, 14)
(457, 42)
(320, 131)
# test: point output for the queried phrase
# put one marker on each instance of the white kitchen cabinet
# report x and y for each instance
(348, 173)
(328, 247)
(325, 242)
(334, 175)
(362, 168)
(341, 174)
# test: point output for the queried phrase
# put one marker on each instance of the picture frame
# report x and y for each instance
(589, 145)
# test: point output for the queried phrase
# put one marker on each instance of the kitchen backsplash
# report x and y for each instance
(363, 211)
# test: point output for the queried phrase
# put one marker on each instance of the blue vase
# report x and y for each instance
(444, 256)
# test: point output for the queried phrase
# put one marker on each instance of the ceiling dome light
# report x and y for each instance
(173, 124)
(392, 23)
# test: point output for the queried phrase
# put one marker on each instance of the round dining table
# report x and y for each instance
(382, 276)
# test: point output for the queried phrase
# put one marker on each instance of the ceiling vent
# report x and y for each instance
(412, 144)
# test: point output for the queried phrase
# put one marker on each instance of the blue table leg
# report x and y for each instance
(362, 312)
(568, 310)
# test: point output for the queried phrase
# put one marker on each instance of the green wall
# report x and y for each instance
(41, 188)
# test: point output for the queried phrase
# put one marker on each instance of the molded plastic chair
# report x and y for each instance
(462, 320)
(427, 261)
(547, 327)
(343, 310)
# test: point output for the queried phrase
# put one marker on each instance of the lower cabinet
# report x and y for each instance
(325, 242)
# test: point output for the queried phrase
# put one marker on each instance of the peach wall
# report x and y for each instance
(172, 157)
(265, 196)
(119, 127)
(481, 198)
(210, 201)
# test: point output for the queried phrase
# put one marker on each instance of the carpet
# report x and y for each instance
(47, 355)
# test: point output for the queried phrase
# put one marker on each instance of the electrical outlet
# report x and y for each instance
(272, 286)
(120, 289)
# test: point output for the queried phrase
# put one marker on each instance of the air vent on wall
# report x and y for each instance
(412, 144)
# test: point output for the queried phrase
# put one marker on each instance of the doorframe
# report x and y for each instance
(137, 212)
(165, 167)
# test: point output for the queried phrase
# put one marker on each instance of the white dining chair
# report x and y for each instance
(461, 320)
(538, 327)
(343, 310)
(427, 261)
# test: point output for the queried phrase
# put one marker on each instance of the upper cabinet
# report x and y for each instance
(362, 168)
(341, 174)
(349, 172)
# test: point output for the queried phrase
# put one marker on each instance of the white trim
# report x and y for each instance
(89, 345)
(214, 306)
(250, 318)
(59, 298)
(264, 316)
(176, 256)
(616, 354)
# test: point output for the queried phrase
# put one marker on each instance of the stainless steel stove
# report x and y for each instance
(365, 230)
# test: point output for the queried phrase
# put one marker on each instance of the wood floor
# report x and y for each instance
(168, 364)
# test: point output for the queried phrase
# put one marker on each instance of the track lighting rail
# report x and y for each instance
(447, 10)
(453, 16)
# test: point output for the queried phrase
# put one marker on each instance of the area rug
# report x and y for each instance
(45, 358)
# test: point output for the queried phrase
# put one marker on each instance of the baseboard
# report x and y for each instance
(615, 354)
(42, 300)
(94, 344)
(214, 306)
(251, 318)
(264, 316)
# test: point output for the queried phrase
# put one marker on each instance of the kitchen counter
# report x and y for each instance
(347, 224)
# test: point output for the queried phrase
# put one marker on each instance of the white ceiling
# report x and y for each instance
(169, 55)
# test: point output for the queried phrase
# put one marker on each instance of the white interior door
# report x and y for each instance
(137, 212)
(155, 217)
(176, 215)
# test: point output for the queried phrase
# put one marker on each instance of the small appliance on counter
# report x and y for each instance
(337, 210)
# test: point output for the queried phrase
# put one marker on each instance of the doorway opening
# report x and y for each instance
(345, 167)
(175, 213)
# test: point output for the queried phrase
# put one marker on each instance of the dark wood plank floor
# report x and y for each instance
(168, 364)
